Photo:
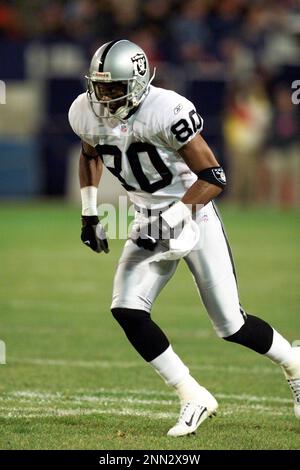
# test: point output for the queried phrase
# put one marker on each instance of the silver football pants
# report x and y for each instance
(138, 281)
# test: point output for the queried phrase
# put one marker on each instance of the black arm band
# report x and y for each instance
(86, 155)
(214, 175)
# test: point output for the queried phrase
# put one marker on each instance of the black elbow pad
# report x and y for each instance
(214, 175)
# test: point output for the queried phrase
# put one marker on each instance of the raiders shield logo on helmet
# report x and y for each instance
(140, 64)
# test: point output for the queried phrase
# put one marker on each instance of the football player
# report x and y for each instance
(150, 139)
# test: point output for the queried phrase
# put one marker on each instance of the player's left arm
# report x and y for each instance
(210, 183)
(211, 178)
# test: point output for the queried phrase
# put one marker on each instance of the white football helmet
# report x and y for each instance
(122, 62)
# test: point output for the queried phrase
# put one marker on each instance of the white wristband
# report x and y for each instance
(89, 200)
(176, 214)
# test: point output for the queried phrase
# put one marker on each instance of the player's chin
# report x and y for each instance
(113, 108)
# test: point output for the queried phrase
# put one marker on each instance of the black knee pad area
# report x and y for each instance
(145, 336)
(255, 334)
(127, 316)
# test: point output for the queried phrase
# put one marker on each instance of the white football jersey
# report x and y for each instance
(143, 152)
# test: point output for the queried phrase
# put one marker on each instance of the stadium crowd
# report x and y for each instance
(254, 46)
(202, 32)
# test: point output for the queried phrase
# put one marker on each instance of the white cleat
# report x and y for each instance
(295, 387)
(193, 413)
(292, 374)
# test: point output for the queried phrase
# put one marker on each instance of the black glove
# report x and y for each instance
(146, 241)
(168, 225)
(93, 234)
(158, 230)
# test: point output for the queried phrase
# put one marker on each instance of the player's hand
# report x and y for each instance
(146, 241)
(158, 230)
(93, 234)
(168, 225)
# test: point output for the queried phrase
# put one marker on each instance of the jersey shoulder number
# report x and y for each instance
(177, 118)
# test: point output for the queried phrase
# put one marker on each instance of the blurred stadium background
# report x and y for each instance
(71, 380)
(235, 59)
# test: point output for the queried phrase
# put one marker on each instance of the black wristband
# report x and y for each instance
(89, 220)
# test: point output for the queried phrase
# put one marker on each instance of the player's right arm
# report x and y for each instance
(90, 166)
(90, 171)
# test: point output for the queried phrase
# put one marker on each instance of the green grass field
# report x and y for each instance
(72, 381)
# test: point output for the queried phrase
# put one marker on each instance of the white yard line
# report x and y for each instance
(35, 412)
(133, 364)
(109, 396)
(84, 364)
(253, 398)
(44, 412)
(33, 404)
(42, 398)
(40, 404)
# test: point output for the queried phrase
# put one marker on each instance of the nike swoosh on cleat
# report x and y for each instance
(205, 409)
(189, 423)
(87, 242)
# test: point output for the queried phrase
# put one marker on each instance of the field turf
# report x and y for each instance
(72, 381)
